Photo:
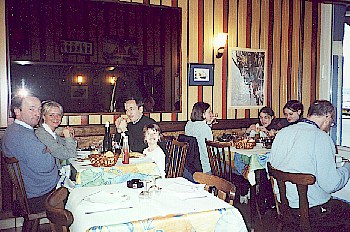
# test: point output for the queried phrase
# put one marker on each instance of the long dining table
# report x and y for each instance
(86, 175)
(178, 205)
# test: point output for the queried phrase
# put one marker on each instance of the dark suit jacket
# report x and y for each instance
(193, 162)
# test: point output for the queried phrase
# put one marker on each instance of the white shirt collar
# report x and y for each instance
(48, 129)
(19, 122)
(137, 120)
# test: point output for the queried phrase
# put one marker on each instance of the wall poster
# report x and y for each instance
(246, 77)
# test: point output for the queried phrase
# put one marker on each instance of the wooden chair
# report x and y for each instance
(167, 140)
(226, 190)
(302, 181)
(60, 218)
(220, 158)
(31, 220)
(222, 163)
(177, 159)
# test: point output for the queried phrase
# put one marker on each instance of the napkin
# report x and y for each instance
(104, 201)
(103, 197)
(184, 187)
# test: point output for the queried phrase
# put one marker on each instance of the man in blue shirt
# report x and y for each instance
(306, 147)
(38, 168)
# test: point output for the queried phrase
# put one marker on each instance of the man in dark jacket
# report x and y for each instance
(133, 126)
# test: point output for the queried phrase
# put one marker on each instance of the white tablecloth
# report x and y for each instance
(178, 196)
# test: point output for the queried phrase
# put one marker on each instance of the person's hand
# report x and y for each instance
(251, 128)
(272, 133)
(263, 129)
(121, 124)
(68, 132)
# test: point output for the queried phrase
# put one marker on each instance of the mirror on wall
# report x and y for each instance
(91, 55)
(85, 89)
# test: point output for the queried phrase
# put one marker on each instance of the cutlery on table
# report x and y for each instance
(106, 210)
(195, 197)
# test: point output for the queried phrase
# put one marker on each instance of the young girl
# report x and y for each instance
(152, 137)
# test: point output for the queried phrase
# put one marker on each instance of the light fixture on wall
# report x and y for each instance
(80, 79)
(220, 43)
(112, 80)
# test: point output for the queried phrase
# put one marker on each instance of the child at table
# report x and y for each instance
(152, 136)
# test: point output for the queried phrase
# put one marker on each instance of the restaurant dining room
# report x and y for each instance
(173, 115)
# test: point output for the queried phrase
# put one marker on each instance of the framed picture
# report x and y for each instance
(246, 77)
(200, 74)
(79, 92)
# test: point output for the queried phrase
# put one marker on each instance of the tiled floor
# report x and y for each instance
(43, 228)
(268, 219)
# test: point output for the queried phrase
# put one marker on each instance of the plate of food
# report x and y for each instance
(136, 155)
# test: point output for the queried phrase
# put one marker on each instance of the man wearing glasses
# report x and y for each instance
(306, 147)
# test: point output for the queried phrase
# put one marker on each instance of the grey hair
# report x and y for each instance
(321, 108)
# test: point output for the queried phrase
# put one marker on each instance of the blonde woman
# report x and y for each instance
(60, 148)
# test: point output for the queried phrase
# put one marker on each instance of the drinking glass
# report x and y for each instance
(215, 116)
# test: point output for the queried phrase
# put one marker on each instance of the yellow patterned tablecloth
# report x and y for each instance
(96, 176)
(227, 219)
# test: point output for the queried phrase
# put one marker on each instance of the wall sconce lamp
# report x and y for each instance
(112, 80)
(80, 79)
(220, 43)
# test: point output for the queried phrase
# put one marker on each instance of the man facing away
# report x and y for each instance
(134, 128)
(306, 147)
(38, 168)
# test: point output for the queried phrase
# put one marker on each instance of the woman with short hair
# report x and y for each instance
(60, 148)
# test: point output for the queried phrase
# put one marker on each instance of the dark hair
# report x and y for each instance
(153, 126)
(294, 105)
(321, 108)
(138, 101)
(198, 110)
(17, 101)
(267, 110)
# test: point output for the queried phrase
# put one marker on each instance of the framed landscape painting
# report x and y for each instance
(200, 74)
(246, 77)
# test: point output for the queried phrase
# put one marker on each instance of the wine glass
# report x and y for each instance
(215, 116)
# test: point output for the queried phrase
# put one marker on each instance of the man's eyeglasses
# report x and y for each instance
(332, 123)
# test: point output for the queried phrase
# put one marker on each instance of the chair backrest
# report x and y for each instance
(220, 158)
(60, 218)
(177, 159)
(226, 189)
(14, 172)
(168, 139)
(302, 181)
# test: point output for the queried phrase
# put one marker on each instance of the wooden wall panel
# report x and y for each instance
(255, 28)
(192, 49)
(264, 9)
(208, 24)
(276, 65)
(232, 40)
(283, 85)
(307, 69)
(217, 89)
(295, 91)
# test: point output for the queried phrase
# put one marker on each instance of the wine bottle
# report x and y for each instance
(125, 150)
(107, 139)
